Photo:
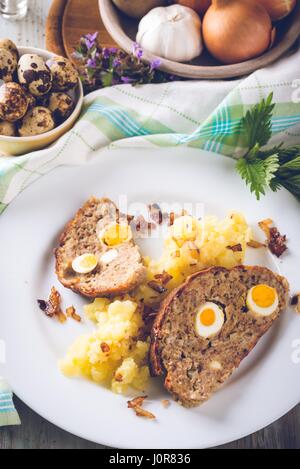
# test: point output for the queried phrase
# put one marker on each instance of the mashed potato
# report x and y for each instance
(192, 245)
(112, 355)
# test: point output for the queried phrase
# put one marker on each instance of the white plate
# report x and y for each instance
(264, 388)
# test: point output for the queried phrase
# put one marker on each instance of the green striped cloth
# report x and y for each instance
(8, 414)
(201, 114)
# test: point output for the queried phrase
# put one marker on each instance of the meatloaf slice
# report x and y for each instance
(195, 367)
(81, 236)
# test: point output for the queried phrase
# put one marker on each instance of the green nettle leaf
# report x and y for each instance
(253, 173)
(288, 154)
(257, 124)
(292, 184)
(274, 167)
(258, 174)
(271, 165)
(290, 166)
(275, 184)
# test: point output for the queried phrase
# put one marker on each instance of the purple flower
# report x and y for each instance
(91, 63)
(155, 64)
(90, 40)
(116, 62)
(108, 51)
(137, 50)
(127, 80)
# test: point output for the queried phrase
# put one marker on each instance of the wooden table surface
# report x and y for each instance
(35, 432)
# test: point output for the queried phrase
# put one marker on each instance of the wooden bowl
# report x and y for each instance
(123, 30)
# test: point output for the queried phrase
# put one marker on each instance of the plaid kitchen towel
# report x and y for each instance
(8, 414)
(201, 114)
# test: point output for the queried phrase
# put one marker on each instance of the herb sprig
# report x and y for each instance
(106, 66)
(274, 167)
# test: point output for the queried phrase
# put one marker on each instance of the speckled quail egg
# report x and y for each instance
(10, 46)
(65, 76)
(32, 102)
(262, 300)
(34, 74)
(209, 320)
(13, 102)
(61, 105)
(8, 129)
(8, 65)
(37, 121)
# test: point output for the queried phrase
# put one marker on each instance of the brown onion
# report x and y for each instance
(200, 6)
(278, 9)
(235, 30)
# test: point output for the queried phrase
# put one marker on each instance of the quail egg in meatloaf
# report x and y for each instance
(65, 76)
(8, 65)
(13, 102)
(61, 105)
(8, 129)
(34, 74)
(37, 121)
(11, 47)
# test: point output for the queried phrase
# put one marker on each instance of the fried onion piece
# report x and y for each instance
(142, 227)
(166, 403)
(235, 248)
(71, 313)
(140, 412)
(155, 213)
(156, 286)
(163, 278)
(52, 307)
(265, 225)
(137, 401)
(136, 405)
(295, 302)
(255, 244)
(276, 241)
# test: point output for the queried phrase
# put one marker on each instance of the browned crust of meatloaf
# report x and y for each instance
(158, 335)
(79, 236)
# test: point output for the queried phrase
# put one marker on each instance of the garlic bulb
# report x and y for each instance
(172, 32)
(235, 30)
(278, 9)
(200, 6)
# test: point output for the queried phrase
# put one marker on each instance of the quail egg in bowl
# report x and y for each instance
(45, 115)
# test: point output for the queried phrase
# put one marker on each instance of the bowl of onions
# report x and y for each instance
(208, 38)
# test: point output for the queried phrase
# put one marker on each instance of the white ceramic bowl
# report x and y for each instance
(14, 146)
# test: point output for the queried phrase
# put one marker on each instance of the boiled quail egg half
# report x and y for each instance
(115, 234)
(262, 300)
(85, 263)
(209, 320)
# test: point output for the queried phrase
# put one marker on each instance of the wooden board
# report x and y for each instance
(68, 20)
(53, 32)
